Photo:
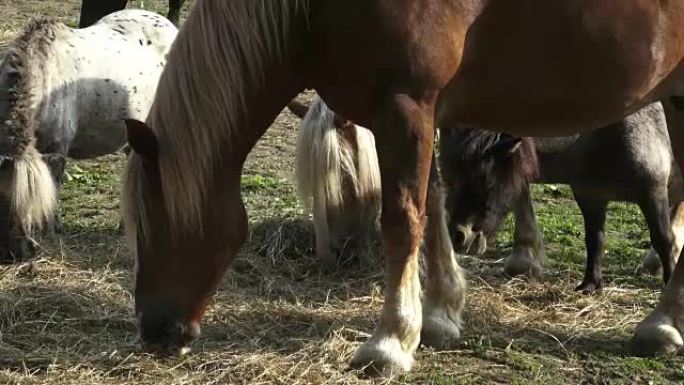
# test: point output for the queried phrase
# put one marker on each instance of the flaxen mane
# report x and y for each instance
(228, 43)
(33, 189)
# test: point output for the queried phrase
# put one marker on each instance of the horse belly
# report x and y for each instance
(98, 138)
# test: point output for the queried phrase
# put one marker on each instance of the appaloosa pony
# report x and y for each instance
(529, 67)
(64, 92)
(94, 10)
(486, 174)
(339, 177)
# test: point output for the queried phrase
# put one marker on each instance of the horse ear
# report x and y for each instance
(298, 108)
(506, 146)
(141, 138)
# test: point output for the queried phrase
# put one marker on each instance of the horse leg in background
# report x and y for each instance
(445, 283)
(661, 331)
(656, 211)
(594, 214)
(175, 7)
(528, 255)
(94, 10)
(651, 264)
(404, 130)
(57, 164)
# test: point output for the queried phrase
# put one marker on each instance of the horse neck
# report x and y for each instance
(228, 76)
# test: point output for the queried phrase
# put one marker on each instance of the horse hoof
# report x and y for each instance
(523, 266)
(440, 332)
(588, 287)
(384, 358)
(651, 264)
(656, 336)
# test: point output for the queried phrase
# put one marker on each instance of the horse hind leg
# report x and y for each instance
(528, 254)
(404, 131)
(56, 163)
(655, 210)
(445, 282)
(651, 263)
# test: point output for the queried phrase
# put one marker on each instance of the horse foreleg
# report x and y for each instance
(594, 214)
(661, 331)
(652, 264)
(404, 132)
(445, 283)
(528, 254)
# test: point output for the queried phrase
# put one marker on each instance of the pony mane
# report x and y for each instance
(465, 152)
(19, 122)
(222, 42)
(33, 190)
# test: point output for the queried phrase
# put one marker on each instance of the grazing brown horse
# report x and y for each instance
(530, 67)
(94, 10)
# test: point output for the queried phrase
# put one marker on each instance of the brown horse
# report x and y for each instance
(530, 67)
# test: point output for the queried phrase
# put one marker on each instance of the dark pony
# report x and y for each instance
(473, 162)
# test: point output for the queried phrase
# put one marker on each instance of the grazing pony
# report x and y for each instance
(338, 174)
(486, 174)
(64, 92)
(531, 68)
(94, 10)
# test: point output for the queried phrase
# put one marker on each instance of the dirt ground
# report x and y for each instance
(278, 318)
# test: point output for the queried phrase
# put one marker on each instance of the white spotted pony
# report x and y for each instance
(64, 93)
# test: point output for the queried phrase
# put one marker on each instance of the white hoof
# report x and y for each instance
(656, 335)
(441, 329)
(384, 357)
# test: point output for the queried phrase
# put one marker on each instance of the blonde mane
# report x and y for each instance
(33, 189)
(226, 43)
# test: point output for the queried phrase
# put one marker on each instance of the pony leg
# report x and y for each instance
(405, 135)
(528, 253)
(445, 284)
(655, 210)
(56, 163)
(324, 247)
(94, 10)
(651, 264)
(661, 331)
(594, 213)
(174, 10)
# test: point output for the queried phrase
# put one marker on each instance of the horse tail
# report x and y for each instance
(331, 171)
(368, 176)
(34, 194)
(322, 161)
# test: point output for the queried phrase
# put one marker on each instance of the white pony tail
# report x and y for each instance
(34, 195)
(329, 173)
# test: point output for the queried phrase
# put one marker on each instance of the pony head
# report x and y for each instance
(484, 173)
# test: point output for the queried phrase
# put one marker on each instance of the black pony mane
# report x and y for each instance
(472, 152)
